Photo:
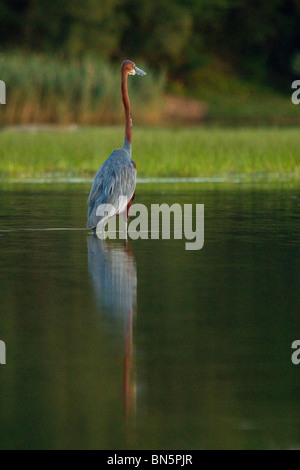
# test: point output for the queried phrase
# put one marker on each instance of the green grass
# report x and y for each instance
(189, 152)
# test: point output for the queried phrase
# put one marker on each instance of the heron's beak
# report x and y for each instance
(139, 71)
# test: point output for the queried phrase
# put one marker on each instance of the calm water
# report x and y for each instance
(150, 346)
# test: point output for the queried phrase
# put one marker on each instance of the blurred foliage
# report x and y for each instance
(296, 63)
(257, 38)
(42, 88)
(239, 57)
(47, 89)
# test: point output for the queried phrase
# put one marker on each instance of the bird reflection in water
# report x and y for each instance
(112, 270)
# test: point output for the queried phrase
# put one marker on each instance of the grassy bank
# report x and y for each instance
(191, 152)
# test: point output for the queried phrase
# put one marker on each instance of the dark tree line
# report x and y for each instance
(256, 37)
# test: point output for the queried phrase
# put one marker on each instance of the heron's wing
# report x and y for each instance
(97, 185)
(115, 178)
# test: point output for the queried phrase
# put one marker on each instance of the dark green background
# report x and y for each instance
(253, 37)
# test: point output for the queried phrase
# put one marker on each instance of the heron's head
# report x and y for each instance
(131, 68)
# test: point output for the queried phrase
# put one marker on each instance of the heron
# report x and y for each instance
(113, 188)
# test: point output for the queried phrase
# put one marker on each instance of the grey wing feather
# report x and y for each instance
(116, 177)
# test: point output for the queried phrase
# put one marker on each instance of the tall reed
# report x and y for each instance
(45, 89)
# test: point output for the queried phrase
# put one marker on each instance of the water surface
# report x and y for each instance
(147, 345)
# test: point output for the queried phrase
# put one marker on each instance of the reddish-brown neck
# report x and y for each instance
(126, 103)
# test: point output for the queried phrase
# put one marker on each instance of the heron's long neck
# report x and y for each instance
(126, 103)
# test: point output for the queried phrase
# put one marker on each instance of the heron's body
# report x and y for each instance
(115, 178)
(114, 183)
